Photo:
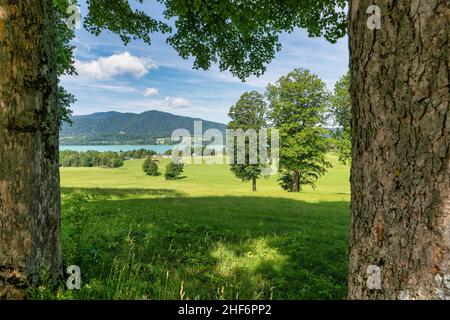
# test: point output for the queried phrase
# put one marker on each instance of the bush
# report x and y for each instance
(150, 167)
(173, 171)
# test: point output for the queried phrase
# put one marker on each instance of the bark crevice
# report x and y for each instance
(400, 213)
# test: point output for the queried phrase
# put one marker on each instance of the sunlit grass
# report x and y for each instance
(207, 236)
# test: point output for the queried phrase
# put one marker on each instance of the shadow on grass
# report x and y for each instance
(210, 247)
(125, 193)
(177, 178)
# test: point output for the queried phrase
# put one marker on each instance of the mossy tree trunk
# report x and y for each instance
(29, 128)
(400, 212)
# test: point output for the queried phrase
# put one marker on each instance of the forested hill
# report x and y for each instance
(127, 128)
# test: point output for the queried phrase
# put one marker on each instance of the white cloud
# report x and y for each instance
(115, 65)
(177, 102)
(150, 92)
(112, 88)
(211, 93)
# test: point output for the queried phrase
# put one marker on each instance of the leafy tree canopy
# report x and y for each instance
(248, 113)
(240, 36)
(297, 107)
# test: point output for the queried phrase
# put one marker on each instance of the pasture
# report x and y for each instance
(204, 236)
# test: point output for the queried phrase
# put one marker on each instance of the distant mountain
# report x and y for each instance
(128, 128)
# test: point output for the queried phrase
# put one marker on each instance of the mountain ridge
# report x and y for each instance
(112, 127)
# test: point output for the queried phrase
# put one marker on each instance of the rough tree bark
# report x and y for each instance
(29, 128)
(254, 184)
(400, 211)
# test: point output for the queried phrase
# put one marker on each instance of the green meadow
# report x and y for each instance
(203, 236)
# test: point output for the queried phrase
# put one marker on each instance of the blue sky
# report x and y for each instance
(138, 77)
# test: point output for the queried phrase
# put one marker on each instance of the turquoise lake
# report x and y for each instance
(158, 148)
(117, 148)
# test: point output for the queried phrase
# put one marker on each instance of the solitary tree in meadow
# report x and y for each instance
(248, 114)
(297, 106)
(400, 205)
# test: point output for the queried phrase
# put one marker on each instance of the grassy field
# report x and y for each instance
(205, 236)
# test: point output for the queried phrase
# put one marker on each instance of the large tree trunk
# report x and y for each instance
(29, 125)
(400, 211)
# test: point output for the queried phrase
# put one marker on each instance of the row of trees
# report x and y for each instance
(301, 108)
(138, 154)
(107, 159)
(91, 159)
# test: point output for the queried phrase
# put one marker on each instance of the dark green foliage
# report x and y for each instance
(138, 154)
(90, 159)
(150, 167)
(308, 176)
(65, 100)
(248, 113)
(64, 56)
(173, 171)
(286, 180)
(118, 17)
(246, 172)
(298, 103)
(341, 109)
(240, 36)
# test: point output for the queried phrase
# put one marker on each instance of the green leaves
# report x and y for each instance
(173, 171)
(341, 110)
(64, 57)
(150, 167)
(118, 17)
(298, 104)
(248, 113)
(239, 36)
(242, 36)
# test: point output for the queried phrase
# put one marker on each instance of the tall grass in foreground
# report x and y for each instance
(180, 240)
